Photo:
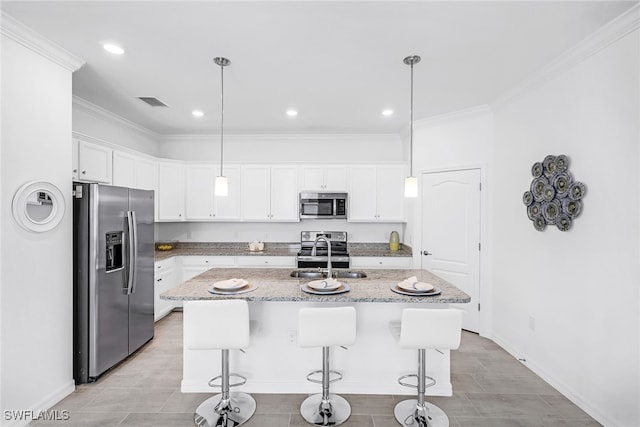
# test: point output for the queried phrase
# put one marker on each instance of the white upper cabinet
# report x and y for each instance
(376, 193)
(284, 193)
(133, 171)
(146, 174)
(94, 162)
(199, 192)
(256, 193)
(171, 191)
(269, 193)
(323, 178)
(390, 197)
(228, 207)
(362, 194)
(74, 159)
(201, 202)
(124, 169)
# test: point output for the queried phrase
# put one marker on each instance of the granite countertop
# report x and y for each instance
(275, 284)
(274, 249)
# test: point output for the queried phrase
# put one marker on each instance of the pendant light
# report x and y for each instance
(222, 184)
(411, 182)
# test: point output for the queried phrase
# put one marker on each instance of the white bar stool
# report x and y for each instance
(220, 325)
(325, 327)
(422, 329)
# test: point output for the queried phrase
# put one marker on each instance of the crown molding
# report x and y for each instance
(454, 115)
(277, 137)
(17, 31)
(102, 113)
(610, 33)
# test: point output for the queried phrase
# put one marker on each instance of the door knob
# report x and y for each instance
(426, 253)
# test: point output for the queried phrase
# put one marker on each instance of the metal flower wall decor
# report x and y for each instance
(554, 197)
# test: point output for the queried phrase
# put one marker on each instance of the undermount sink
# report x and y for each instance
(338, 274)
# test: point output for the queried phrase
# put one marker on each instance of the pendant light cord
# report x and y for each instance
(411, 128)
(221, 116)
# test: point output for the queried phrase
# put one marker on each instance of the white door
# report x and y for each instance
(451, 233)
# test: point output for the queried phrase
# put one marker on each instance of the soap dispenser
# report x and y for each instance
(394, 241)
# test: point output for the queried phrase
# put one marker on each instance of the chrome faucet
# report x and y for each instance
(313, 252)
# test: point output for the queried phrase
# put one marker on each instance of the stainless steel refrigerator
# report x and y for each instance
(113, 276)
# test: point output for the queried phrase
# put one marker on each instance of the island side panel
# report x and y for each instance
(274, 362)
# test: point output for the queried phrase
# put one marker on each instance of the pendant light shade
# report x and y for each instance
(222, 183)
(411, 182)
(411, 186)
(222, 186)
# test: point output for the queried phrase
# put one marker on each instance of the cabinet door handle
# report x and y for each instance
(426, 253)
(84, 172)
(159, 280)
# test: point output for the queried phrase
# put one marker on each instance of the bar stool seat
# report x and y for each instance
(423, 329)
(220, 325)
(326, 327)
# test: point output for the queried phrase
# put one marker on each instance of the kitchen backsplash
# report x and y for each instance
(274, 232)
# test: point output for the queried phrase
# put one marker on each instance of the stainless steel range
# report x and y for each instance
(339, 254)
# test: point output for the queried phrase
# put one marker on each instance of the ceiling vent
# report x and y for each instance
(154, 102)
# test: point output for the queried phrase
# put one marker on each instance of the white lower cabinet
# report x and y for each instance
(266, 261)
(380, 262)
(194, 265)
(165, 278)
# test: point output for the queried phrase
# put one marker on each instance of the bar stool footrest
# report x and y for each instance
(243, 381)
(431, 383)
(338, 376)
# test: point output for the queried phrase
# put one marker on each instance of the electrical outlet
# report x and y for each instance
(292, 336)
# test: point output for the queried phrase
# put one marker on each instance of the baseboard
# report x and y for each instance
(22, 418)
(572, 395)
(567, 391)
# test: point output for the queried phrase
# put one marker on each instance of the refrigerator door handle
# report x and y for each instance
(132, 252)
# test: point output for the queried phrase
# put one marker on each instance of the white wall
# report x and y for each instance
(107, 128)
(286, 148)
(36, 275)
(458, 140)
(568, 302)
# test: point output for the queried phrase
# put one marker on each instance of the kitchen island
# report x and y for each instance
(274, 363)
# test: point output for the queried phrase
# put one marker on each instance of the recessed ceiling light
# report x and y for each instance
(292, 113)
(113, 48)
(387, 112)
(197, 113)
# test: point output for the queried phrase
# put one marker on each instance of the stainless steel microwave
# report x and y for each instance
(323, 205)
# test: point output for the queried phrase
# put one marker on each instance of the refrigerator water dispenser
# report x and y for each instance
(114, 250)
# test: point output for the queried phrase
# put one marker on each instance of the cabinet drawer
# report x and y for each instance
(204, 261)
(165, 264)
(381, 262)
(266, 261)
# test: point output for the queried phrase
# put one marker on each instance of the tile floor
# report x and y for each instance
(491, 389)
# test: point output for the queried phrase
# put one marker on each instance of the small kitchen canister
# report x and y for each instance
(394, 241)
